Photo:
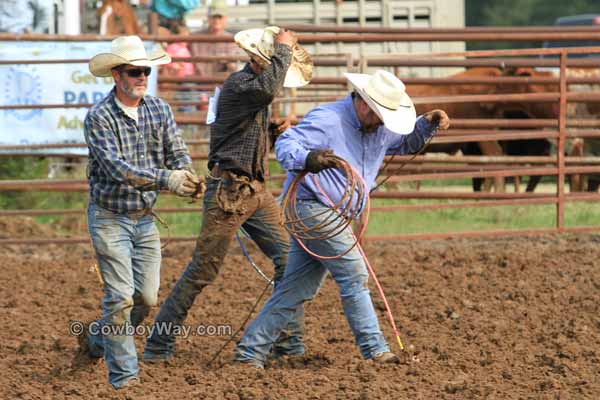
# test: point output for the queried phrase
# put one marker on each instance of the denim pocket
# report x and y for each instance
(232, 195)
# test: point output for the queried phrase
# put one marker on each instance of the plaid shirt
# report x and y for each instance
(129, 162)
(239, 138)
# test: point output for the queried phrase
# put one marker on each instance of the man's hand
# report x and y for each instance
(439, 118)
(318, 160)
(183, 183)
(200, 189)
(286, 37)
(280, 125)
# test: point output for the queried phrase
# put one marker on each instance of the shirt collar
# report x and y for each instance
(247, 68)
(349, 106)
(115, 106)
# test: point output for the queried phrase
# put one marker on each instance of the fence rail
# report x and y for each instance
(400, 168)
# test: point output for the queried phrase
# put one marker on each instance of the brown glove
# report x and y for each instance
(439, 118)
(200, 189)
(318, 160)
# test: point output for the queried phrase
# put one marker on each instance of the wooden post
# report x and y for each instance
(562, 124)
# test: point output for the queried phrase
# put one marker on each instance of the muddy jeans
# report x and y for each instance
(252, 207)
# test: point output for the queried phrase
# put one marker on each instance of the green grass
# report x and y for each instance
(478, 218)
(381, 223)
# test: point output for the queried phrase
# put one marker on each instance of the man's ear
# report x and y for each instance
(362, 104)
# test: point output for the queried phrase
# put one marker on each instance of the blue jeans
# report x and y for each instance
(303, 277)
(129, 257)
(260, 217)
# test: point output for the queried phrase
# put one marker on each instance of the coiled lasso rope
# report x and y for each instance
(336, 219)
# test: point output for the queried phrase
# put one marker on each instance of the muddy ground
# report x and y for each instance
(499, 319)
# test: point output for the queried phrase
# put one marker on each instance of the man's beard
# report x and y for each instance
(133, 91)
(370, 128)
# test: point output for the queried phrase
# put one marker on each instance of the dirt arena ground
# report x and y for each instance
(496, 319)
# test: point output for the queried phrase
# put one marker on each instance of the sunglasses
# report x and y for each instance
(137, 72)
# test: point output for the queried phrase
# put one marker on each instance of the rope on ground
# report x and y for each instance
(242, 326)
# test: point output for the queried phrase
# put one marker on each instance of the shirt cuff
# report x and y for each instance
(283, 50)
(162, 178)
(299, 163)
(425, 126)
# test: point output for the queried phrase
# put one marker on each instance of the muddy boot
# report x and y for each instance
(87, 354)
(254, 364)
(386, 357)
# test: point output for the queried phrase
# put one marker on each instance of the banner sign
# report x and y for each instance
(51, 84)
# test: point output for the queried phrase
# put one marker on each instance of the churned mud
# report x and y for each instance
(501, 319)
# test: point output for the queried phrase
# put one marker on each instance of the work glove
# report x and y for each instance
(183, 183)
(200, 189)
(439, 118)
(318, 160)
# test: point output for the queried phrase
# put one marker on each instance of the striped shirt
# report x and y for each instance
(129, 161)
(239, 138)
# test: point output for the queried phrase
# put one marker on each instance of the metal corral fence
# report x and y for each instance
(405, 168)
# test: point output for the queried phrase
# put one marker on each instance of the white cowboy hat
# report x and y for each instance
(386, 95)
(261, 42)
(126, 50)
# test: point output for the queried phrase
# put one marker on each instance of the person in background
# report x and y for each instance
(179, 69)
(19, 16)
(134, 152)
(171, 13)
(216, 22)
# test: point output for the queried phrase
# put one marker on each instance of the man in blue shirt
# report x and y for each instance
(134, 151)
(378, 118)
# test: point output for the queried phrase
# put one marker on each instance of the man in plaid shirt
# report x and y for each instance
(134, 151)
(236, 194)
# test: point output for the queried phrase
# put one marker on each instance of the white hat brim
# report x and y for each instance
(101, 64)
(401, 121)
(248, 39)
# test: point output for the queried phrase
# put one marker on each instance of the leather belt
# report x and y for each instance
(139, 214)
(216, 171)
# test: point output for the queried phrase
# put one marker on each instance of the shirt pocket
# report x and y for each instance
(127, 143)
(155, 143)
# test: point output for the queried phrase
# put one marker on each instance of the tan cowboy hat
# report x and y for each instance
(261, 42)
(386, 95)
(126, 50)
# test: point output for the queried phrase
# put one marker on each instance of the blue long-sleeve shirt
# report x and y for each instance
(336, 126)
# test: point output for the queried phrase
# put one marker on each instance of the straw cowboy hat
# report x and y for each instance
(386, 95)
(126, 50)
(261, 43)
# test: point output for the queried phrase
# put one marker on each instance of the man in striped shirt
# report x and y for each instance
(134, 151)
(236, 193)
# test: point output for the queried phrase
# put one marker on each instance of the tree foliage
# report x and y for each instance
(522, 13)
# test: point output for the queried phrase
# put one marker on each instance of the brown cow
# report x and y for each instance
(489, 110)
